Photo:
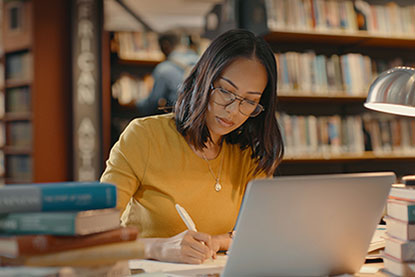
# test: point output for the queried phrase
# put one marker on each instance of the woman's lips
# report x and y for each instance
(224, 122)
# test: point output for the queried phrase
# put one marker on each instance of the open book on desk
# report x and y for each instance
(377, 243)
(151, 266)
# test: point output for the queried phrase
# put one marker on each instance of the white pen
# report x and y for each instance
(186, 218)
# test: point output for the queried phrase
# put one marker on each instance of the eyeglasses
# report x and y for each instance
(224, 98)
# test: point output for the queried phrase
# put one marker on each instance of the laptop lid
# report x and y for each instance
(307, 225)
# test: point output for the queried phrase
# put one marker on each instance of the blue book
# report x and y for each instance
(60, 223)
(66, 196)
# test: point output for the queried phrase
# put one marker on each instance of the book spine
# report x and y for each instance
(45, 244)
(411, 213)
(57, 197)
(91, 256)
(78, 198)
(38, 223)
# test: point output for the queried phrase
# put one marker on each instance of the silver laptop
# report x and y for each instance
(307, 225)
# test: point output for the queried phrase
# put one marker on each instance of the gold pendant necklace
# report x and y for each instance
(218, 186)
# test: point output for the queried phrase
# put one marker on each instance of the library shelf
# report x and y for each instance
(345, 158)
(312, 97)
(17, 116)
(361, 38)
(18, 83)
(17, 150)
(19, 48)
(11, 180)
(138, 62)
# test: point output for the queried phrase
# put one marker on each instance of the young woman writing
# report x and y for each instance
(222, 133)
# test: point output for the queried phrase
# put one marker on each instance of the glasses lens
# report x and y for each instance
(250, 109)
(222, 97)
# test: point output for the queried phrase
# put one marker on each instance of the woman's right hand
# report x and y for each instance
(187, 247)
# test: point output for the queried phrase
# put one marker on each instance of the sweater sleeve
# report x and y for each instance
(127, 162)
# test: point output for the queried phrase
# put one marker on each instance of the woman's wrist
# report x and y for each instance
(151, 248)
(224, 241)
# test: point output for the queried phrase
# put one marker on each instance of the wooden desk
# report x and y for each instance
(370, 269)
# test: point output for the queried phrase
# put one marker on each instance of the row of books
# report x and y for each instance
(128, 89)
(298, 74)
(306, 135)
(399, 254)
(63, 225)
(309, 73)
(18, 100)
(382, 134)
(341, 16)
(19, 67)
(19, 166)
(137, 46)
(20, 133)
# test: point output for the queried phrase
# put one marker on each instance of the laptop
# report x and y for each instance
(314, 225)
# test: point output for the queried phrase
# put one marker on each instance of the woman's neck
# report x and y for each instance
(210, 152)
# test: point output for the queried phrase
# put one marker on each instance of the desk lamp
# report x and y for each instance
(393, 92)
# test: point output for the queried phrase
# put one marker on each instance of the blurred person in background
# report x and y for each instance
(168, 75)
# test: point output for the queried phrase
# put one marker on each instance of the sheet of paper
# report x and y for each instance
(156, 266)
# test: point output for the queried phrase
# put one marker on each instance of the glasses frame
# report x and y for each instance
(240, 99)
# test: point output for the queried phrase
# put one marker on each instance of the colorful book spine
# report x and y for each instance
(68, 196)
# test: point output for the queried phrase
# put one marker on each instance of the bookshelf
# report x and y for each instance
(380, 48)
(35, 89)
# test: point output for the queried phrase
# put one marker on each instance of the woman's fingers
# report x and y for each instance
(198, 243)
(189, 254)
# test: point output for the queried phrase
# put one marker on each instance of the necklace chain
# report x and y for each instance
(218, 186)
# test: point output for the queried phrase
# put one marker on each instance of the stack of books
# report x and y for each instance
(63, 225)
(399, 258)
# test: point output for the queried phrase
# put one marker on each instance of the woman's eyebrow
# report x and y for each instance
(230, 82)
(235, 86)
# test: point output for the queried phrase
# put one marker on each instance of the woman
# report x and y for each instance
(222, 134)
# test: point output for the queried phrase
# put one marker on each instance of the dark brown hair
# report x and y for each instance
(261, 133)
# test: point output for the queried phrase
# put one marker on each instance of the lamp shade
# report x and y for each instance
(393, 92)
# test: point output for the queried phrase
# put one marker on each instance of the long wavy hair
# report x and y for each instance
(261, 133)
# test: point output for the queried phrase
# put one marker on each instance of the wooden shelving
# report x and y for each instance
(17, 150)
(349, 158)
(16, 116)
(16, 84)
(360, 38)
(36, 91)
(139, 62)
(310, 97)
(299, 103)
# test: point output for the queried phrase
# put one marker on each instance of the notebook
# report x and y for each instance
(307, 225)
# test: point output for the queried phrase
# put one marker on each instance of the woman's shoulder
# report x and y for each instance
(237, 151)
(152, 122)
(152, 125)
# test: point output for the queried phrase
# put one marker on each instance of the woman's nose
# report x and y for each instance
(233, 107)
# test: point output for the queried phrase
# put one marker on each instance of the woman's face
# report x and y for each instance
(245, 78)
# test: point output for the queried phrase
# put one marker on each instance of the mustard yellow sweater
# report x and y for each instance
(154, 168)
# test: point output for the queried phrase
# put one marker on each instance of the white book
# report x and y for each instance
(312, 127)
(305, 71)
(400, 229)
(407, 194)
(351, 16)
(397, 267)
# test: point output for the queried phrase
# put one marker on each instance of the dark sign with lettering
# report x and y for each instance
(86, 35)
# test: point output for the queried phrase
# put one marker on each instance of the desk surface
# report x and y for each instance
(213, 268)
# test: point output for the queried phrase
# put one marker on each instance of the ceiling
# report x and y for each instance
(160, 15)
